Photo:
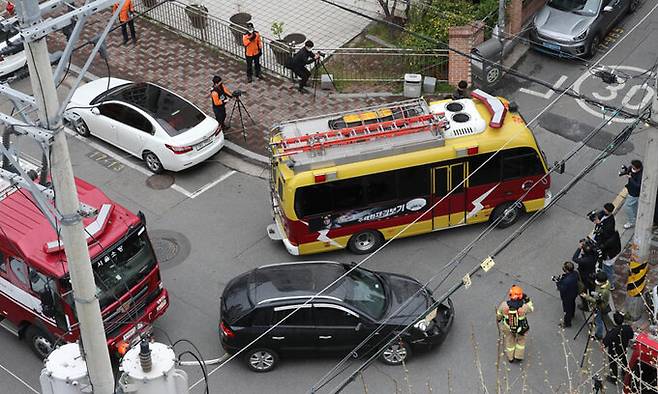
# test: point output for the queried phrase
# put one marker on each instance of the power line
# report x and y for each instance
(616, 142)
(464, 252)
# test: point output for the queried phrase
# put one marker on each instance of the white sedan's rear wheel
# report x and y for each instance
(153, 163)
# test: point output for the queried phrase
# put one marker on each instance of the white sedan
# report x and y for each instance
(147, 121)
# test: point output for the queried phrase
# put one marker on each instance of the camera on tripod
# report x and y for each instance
(237, 93)
(595, 214)
(624, 170)
(321, 54)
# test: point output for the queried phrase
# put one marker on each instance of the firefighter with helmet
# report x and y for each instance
(511, 316)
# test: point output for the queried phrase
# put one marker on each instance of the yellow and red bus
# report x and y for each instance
(357, 178)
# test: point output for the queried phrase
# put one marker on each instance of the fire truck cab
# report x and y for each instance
(36, 298)
(641, 376)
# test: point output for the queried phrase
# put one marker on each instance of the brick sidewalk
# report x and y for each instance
(186, 67)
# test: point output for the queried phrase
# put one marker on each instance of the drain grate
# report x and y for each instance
(160, 181)
(170, 247)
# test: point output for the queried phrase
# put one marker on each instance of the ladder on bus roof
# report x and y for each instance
(410, 122)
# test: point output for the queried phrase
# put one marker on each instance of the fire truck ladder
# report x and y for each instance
(362, 133)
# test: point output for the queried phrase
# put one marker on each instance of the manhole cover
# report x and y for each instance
(160, 181)
(170, 247)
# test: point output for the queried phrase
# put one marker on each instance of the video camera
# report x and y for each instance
(556, 278)
(237, 93)
(589, 243)
(593, 215)
(624, 170)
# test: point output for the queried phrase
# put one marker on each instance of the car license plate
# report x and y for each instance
(552, 46)
(203, 144)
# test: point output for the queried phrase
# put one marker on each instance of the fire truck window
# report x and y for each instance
(19, 269)
(3, 265)
(38, 281)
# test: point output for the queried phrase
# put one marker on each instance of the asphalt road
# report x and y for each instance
(217, 219)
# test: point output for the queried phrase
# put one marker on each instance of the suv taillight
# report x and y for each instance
(178, 150)
(226, 330)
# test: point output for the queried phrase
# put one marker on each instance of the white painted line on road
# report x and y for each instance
(550, 92)
(207, 186)
(19, 379)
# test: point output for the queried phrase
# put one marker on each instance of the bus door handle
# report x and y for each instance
(325, 337)
(508, 193)
(278, 338)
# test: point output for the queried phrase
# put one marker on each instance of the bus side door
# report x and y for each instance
(451, 211)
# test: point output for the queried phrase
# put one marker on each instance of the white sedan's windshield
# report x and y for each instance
(580, 7)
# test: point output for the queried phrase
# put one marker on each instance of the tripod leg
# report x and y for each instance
(329, 75)
(230, 118)
(247, 112)
(244, 132)
(316, 70)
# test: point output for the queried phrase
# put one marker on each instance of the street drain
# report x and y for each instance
(171, 248)
(160, 181)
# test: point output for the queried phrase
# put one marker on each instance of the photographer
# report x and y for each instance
(634, 174)
(253, 47)
(567, 284)
(616, 343)
(299, 61)
(586, 257)
(607, 239)
(220, 95)
(599, 299)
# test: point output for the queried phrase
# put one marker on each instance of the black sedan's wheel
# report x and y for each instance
(153, 163)
(507, 219)
(396, 353)
(261, 360)
(365, 242)
(40, 342)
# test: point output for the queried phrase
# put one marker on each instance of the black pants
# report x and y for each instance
(124, 30)
(569, 308)
(220, 114)
(614, 360)
(253, 62)
(302, 73)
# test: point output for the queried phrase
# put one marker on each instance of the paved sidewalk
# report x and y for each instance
(186, 67)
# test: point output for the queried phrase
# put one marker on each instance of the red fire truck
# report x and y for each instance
(641, 376)
(36, 299)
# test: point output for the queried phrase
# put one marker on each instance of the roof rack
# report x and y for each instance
(392, 120)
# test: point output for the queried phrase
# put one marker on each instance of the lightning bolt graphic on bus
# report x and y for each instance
(477, 203)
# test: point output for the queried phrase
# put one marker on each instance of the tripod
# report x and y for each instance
(316, 74)
(241, 107)
(589, 333)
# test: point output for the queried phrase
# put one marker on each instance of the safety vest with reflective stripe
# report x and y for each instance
(253, 46)
(125, 12)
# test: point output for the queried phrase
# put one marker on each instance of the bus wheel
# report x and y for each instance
(509, 219)
(40, 342)
(365, 242)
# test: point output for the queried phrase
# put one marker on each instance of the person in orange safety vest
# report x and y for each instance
(126, 18)
(511, 317)
(220, 95)
(253, 47)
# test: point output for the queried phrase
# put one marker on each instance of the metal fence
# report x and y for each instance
(346, 64)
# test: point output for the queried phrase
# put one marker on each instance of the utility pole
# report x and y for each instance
(501, 21)
(641, 245)
(87, 307)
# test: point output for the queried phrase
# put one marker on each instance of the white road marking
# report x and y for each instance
(550, 92)
(146, 172)
(19, 379)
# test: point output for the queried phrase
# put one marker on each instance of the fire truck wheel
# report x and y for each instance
(365, 242)
(509, 219)
(40, 342)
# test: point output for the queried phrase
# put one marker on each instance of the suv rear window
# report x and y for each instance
(235, 299)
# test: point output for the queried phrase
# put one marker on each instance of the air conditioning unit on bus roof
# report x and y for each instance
(462, 116)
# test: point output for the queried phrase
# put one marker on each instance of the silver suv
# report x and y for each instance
(574, 28)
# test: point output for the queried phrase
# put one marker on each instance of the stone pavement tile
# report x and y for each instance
(186, 67)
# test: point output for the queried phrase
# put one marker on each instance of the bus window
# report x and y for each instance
(413, 182)
(456, 177)
(482, 173)
(347, 194)
(380, 187)
(313, 200)
(441, 181)
(522, 162)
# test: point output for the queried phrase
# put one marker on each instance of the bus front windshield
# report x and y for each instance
(119, 268)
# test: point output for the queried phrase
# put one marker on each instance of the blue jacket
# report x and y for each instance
(568, 285)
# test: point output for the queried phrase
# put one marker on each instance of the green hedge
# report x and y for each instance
(433, 18)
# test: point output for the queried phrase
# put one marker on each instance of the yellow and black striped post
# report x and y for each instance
(638, 273)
